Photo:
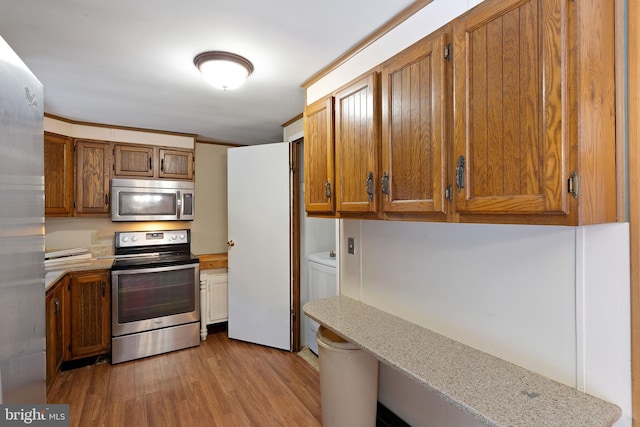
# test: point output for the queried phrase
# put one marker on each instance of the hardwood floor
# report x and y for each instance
(222, 382)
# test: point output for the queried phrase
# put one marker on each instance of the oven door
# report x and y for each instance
(152, 298)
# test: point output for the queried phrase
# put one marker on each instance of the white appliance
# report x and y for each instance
(323, 283)
(152, 200)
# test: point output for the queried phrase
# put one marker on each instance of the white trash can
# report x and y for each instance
(348, 382)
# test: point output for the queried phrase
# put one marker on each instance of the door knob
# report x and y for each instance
(230, 243)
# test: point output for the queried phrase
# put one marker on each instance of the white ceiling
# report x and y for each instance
(130, 62)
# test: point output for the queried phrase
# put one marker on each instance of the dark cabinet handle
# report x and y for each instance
(460, 173)
(327, 189)
(106, 199)
(104, 289)
(162, 165)
(56, 306)
(385, 183)
(150, 163)
(369, 184)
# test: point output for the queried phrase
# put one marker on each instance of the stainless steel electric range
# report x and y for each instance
(155, 294)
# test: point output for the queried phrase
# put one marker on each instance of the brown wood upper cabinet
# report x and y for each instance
(133, 161)
(89, 314)
(93, 167)
(357, 147)
(175, 164)
(534, 136)
(414, 129)
(58, 175)
(146, 161)
(318, 157)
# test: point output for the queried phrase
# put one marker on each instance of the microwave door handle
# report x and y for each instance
(179, 205)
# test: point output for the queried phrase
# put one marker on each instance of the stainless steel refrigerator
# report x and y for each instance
(22, 309)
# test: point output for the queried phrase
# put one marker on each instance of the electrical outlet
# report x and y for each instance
(95, 237)
(351, 245)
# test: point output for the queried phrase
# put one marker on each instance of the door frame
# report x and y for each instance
(294, 185)
(632, 90)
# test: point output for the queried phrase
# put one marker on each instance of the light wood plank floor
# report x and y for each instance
(222, 382)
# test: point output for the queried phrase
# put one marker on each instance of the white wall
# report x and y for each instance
(130, 136)
(209, 229)
(554, 300)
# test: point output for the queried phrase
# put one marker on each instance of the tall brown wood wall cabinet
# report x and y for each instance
(534, 135)
(415, 130)
(58, 173)
(93, 171)
(89, 314)
(357, 147)
(320, 188)
(517, 125)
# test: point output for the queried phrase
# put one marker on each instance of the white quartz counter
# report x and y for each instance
(492, 390)
(51, 277)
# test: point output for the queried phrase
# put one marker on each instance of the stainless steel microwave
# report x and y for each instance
(152, 200)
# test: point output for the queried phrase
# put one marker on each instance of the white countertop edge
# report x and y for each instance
(492, 390)
(51, 277)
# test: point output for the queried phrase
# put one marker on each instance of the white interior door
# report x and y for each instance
(259, 258)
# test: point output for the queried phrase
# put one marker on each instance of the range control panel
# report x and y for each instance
(128, 239)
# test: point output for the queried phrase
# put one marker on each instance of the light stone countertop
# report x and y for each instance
(51, 277)
(492, 390)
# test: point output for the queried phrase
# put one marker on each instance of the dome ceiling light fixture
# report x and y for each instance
(224, 70)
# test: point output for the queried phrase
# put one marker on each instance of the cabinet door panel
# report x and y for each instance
(510, 68)
(357, 147)
(55, 328)
(319, 183)
(176, 164)
(133, 160)
(90, 314)
(93, 163)
(58, 175)
(414, 128)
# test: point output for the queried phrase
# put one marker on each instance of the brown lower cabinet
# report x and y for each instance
(55, 325)
(78, 313)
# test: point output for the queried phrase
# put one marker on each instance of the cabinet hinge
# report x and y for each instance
(448, 193)
(447, 52)
(572, 184)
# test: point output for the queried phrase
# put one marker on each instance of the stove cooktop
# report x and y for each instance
(152, 249)
(154, 261)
